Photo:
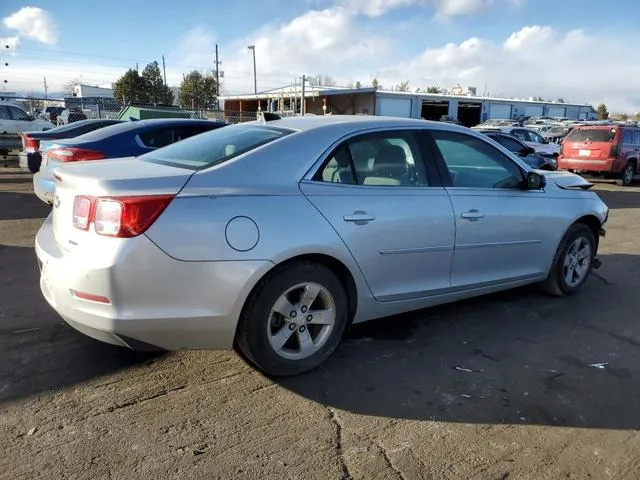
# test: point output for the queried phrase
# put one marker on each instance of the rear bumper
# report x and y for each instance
(149, 300)
(30, 161)
(586, 164)
(43, 186)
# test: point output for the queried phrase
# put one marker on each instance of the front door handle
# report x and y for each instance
(472, 215)
(359, 218)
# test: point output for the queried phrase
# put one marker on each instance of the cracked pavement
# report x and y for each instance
(499, 387)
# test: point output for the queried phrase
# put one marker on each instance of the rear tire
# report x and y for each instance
(573, 261)
(277, 343)
(627, 175)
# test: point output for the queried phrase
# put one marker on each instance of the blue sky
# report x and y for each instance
(561, 48)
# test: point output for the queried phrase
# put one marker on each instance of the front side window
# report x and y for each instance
(636, 137)
(18, 113)
(389, 159)
(473, 163)
(521, 134)
(627, 137)
(534, 137)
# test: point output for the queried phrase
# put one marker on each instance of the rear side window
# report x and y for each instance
(627, 137)
(217, 146)
(636, 137)
(388, 159)
(592, 135)
(158, 137)
(4, 113)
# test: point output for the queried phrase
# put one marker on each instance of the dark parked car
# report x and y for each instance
(128, 139)
(30, 156)
(71, 115)
(524, 151)
(51, 114)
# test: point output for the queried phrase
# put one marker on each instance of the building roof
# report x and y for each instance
(295, 90)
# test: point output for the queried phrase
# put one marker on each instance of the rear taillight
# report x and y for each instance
(82, 207)
(30, 144)
(74, 154)
(121, 217)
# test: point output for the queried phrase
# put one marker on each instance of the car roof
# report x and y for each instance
(139, 125)
(310, 122)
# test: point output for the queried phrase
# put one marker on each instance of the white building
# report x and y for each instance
(92, 91)
(468, 109)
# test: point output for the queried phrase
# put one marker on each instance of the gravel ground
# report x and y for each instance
(498, 387)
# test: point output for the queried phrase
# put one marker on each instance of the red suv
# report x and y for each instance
(608, 150)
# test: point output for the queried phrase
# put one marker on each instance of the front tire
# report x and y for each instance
(573, 261)
(294, 319)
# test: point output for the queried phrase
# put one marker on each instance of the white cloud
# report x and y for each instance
(33, 22)
(534, 61)
(443, 8)
(328, 41)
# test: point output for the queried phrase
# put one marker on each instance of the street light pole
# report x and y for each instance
(255, 81)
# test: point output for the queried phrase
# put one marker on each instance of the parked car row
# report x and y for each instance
(191, 245)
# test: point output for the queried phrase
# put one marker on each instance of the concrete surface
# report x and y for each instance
(498, 388)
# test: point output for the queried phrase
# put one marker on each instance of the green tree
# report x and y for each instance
(375, 83)
(602, 112)
(157, 91)
(321, 80)
(560, 100)
(433, 89)
(637, 115)
(357, 84)
(131, 87)
(403, 86)
(198, 90)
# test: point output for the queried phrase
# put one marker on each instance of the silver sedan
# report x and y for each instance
(276, 236)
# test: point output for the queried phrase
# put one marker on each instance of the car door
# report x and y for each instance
(501, 229)
(390, 209)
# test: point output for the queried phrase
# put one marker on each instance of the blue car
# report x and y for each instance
(128, 139)
(30, 156)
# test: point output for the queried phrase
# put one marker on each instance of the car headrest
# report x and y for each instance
(391, 161)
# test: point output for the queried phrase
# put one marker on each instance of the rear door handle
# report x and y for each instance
(472, 215)
(359, 218)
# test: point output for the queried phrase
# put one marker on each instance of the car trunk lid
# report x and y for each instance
(127, 177)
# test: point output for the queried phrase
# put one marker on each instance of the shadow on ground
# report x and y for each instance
(38, 351)
(20, 206)
(516, 357)
(619, 199)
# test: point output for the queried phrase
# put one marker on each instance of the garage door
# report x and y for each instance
(395, 107)
(533, 110)
(500, 111)
(557, 111)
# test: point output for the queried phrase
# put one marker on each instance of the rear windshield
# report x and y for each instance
(592, 134)
(217, 146)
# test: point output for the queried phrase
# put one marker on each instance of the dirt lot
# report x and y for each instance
(390, 404)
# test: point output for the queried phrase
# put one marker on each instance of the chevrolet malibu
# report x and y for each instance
(275, 237)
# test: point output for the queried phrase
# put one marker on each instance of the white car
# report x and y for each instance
(14, 120)
(532, 138)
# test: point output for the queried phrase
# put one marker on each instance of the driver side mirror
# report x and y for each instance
(535, 181)
(545, 140)
(30, 117)
(527, 151)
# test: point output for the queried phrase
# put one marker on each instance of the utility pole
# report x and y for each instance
(255, 81)
(164, 71)
(218, 63)
(303, 109)
(45, 88)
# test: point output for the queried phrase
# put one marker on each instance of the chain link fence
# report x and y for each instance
(107, 108)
